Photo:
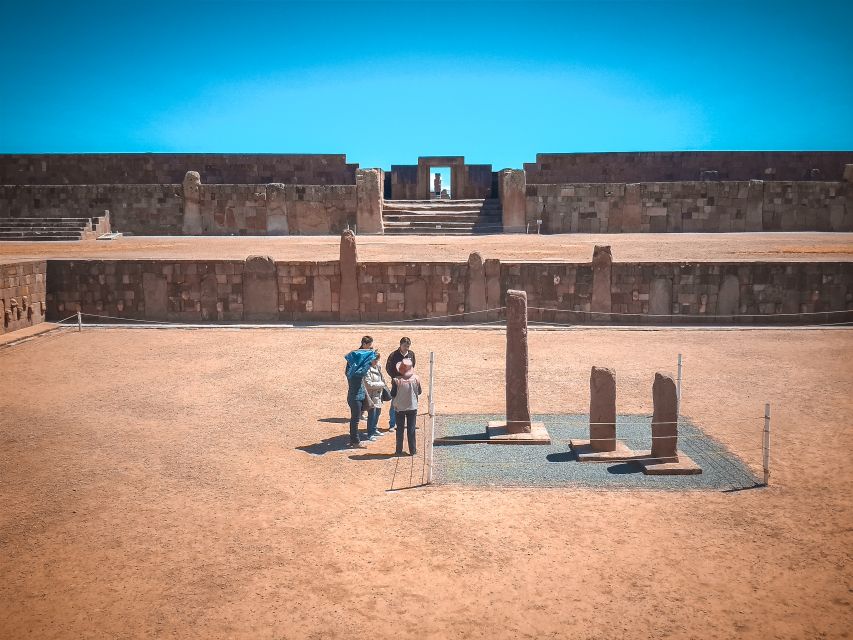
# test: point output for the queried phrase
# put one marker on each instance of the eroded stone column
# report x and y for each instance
(349, 301)
(517, 394)
(602, 409)
(602, 260)
(754, 206)
(277, 224)
(192, 225)
(475, 288)
(260, 289)
(492, 268)
(512, 191)
(665, 417)
(368, 189)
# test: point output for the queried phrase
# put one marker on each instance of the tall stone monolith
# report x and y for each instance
(602, 260)
(475, 289)
(192, 225)
(517, 395)
(665, 417)
(368, 189)
(512, 191)
(349, 302)
(602, 409)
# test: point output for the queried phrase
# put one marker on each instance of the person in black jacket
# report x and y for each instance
(404, 352)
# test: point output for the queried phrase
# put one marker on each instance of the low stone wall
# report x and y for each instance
(22, 295)
(223, 209)
(659, 207)
(259, 289)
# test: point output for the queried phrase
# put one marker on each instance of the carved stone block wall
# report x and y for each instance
(22, 294)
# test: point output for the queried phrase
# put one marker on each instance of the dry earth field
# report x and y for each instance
(155, 483)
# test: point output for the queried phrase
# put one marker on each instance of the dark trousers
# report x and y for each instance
(407, 419)
(355, 416)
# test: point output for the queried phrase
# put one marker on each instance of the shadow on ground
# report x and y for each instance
(327, 445)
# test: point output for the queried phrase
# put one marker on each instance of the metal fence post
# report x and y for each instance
(766, 446)
(431, 414)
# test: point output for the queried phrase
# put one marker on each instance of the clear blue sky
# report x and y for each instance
(385, 82)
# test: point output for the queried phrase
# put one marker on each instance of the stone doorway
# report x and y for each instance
(445, 183)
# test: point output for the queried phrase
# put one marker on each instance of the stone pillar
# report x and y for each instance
(517, 395)
(632, 209)
(277, 224)
(260, 289)
(512, 191)
(848, 173)
(755, 206)
(602, 409)
(192, 204)
(349, 300)
(368, 189)
(493, 287)
(475, 288)
(602, 259)
(664, 419)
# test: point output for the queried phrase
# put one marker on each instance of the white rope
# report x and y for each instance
(694, 315)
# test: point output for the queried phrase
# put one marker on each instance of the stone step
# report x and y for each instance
(441, 232)
(439, 218)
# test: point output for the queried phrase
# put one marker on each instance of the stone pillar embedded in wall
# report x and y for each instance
(848, 173)
(602, 409)
(755, 206)
(260, 289)
(155, 294)
(602, 260)
(660, 300)
(349, 299)
(277, 223)
(512, 191)
(665, 417)
(415, 299)
(475, 289)
(192, 225)
(492, 268)
(368, 184)
(632, 209)
(728, 299)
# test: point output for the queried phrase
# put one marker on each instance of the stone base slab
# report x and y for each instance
(498, 434)
(683, 465)
(585, 453)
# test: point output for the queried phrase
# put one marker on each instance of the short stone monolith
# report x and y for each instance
(349, 302)
(602, 409)
(665, 417)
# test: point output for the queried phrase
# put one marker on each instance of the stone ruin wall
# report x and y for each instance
(706, 206)
(170, 168)
(158, 209)
(259, 289)
(23, 295)
(687, 166)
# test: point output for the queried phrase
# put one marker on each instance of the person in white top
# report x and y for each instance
(374, 387)
(405, 390)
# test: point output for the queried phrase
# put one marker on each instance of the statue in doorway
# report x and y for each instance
(436, 183)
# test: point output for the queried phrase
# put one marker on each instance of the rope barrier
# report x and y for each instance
(694, 315)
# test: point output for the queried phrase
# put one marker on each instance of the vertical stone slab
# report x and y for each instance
(192, 225)
(664, 419)
(493, 287)
(277, 223)
(512, 191)
(660, 299)
(155, 295)
(517, 393)
(260, 289)
(368, 190)
(602, 409)
(728, 300)
(415, 299)
(754, 206)
(322, 296)
(349, 300)
(209, 297)
(632, 209)
(602, 260)
(475, 288)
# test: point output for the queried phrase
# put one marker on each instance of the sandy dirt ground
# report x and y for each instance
(195, 484)
(627, 247)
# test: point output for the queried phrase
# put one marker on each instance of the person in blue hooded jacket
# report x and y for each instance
(358, 364)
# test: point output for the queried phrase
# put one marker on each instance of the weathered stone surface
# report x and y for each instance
(517, 394)
(512, 186)
(602, 409)
(260, 290)
(602, 259)
(660, 298)
(665, 417)
(209, 297)
(192, 223)
(754, 206)
(492, 267)
(368, 184)
(277, 223)
(322, 297)
(349, 301)
(155, 293)
(475, 289)
(848, 173)
(728, 301)
(415, 299)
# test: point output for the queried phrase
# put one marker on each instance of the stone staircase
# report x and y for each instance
(441, 217)
(52, 229)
